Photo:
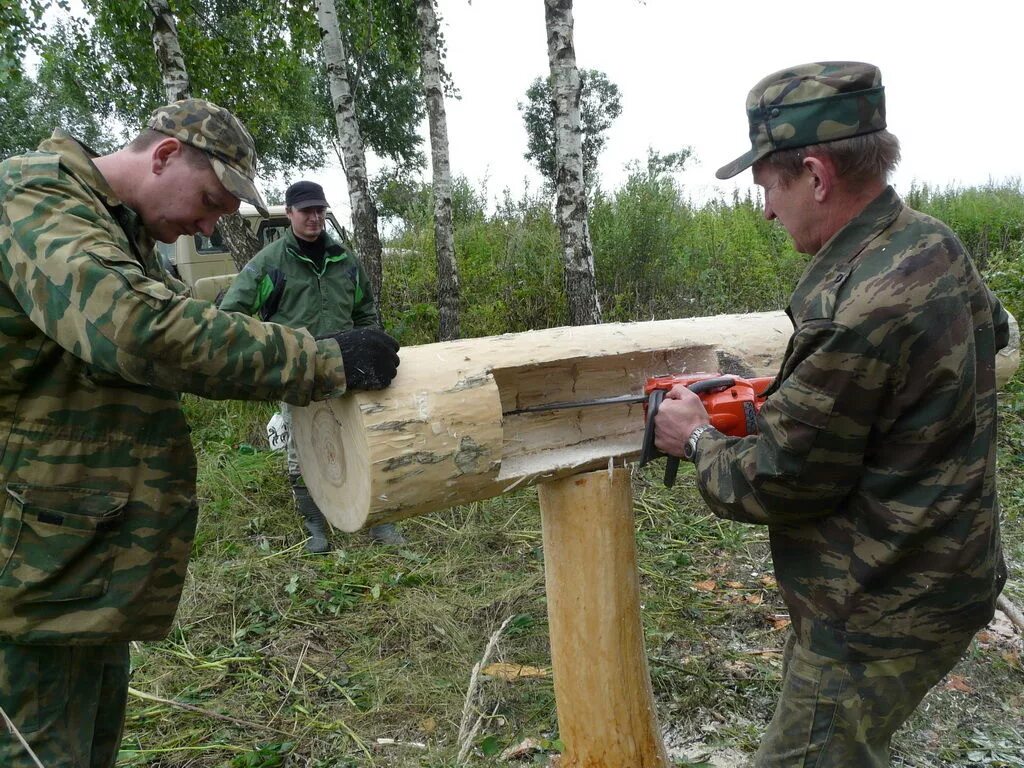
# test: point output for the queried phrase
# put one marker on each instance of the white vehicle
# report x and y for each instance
(205, 264)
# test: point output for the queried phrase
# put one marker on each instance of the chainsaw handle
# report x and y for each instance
(709, 385)
(649, 452)
(654, 400)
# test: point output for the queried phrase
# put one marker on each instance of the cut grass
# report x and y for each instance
(314, 658)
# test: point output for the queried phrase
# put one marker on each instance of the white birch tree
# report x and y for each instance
(364, 211)
(571, 206)
(169, 57)
(444, 236)
(234, 230)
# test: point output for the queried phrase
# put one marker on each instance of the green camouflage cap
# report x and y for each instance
(218, 133)
(811, 104)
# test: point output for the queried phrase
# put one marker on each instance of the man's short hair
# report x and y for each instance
(857, 159)
(149, 138)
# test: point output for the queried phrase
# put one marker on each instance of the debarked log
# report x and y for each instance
(442, 433)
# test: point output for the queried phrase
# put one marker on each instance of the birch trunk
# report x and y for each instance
(234, 230)
(364, 211)
(571, 207)
(168, 52)
(444, 236)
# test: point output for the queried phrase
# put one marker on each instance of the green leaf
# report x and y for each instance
(489, 746)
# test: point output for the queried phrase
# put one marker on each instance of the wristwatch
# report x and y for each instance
(690, 448)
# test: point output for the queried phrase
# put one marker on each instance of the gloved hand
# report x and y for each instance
(370, 357)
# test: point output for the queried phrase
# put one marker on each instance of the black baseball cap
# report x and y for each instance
(305, 194)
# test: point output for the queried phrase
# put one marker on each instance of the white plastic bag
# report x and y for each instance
(277, 432)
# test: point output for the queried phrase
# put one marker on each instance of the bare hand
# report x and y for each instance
(680, 413)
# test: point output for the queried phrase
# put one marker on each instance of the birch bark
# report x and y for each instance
(571, 207)
(234, 230)
(168, 52)
(364, 211)
(444, 236)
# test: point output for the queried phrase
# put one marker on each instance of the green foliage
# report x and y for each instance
(259, 58)
(657, 254)
(508, 264)
(986, 218)
(1005, 276)
(20, 129)
(267, 756)
(600, 104)
(21, 28)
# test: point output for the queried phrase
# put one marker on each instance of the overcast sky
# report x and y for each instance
(951, 72)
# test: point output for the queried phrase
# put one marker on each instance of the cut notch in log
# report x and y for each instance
(439, 436)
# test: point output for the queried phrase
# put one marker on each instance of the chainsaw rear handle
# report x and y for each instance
(654, 400)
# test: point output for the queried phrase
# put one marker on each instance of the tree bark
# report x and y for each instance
(605, 704)
(239, 238)
(168, 52)
(444, 237)
(442, 434)
(364, 211)
(234, 230)
(571, 206)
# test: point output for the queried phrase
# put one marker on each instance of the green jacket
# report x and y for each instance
(97, 469)
(336, 297)
(874, 468)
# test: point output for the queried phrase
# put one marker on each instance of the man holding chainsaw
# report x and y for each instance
(873, 465)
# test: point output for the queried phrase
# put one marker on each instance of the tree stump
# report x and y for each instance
(606, 711)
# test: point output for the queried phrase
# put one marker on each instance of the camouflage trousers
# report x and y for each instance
(293, 454)
(835, 714)
(68, 703)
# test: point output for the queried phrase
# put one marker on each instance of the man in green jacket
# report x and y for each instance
(874, 463)
(98, 473)
(305, 279)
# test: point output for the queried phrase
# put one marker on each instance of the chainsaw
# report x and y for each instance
(732, 404)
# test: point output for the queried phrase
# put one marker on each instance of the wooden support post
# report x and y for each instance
(606, 715)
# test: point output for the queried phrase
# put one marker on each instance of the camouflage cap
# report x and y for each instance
(218, 133)
(811, 104)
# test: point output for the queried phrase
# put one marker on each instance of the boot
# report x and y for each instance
(312, 518)
(386, 533)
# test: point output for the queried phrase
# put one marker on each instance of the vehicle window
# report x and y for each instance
(211, 244)
(332, 230)
(271, 229)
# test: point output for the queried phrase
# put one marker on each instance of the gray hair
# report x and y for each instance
(858, 159)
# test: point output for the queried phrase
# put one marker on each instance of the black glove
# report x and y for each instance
(370, 357)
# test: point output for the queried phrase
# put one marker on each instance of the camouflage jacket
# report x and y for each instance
(333, 297)
(874, 466)
(98, 471)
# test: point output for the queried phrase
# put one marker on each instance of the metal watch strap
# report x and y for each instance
(690, 447)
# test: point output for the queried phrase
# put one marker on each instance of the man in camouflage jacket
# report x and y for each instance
(874, 463)
(99, 503)
(305, 279)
